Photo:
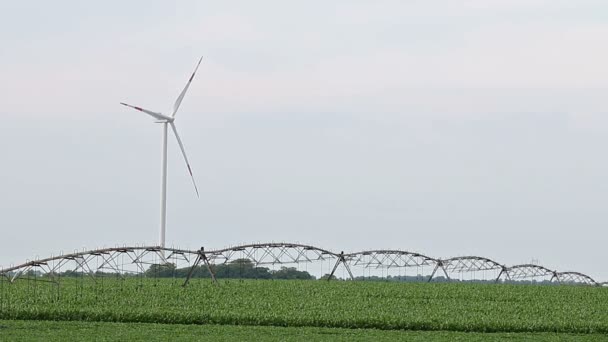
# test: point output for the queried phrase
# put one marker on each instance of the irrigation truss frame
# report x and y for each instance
(136, 259)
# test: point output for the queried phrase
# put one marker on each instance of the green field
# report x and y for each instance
(103, 331)
(421, 308)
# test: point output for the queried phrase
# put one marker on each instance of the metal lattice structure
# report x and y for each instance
(471, 264)
(271, 253)
(531, 272)
(137, 260)
(575, 278)
(388, 259)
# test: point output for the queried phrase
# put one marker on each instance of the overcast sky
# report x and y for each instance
(447, 128)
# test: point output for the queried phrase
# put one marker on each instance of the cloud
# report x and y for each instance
(367, 58)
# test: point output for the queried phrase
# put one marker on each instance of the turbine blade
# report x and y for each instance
(183, 93)
(181, 146)
(155, 115)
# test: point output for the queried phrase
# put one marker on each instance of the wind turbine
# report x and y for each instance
(166, 121)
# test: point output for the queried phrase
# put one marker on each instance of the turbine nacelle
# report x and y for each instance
(168, 120)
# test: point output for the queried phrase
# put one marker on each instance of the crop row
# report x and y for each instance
(450, 306)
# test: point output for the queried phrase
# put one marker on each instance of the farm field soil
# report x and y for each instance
(337, 304)
(104, 331)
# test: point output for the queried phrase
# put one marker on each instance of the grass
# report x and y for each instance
(103, 331)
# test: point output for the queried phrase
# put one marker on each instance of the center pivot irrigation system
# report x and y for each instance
(372, 264)
(136, 261)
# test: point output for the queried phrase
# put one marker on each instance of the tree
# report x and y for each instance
(291, 273)
(326, 277)
(161, 270)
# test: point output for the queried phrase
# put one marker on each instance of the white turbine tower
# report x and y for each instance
(167, 120)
